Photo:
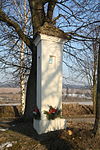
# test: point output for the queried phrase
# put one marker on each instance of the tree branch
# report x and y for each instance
(81, 36)
(9, 22)
(51, 6)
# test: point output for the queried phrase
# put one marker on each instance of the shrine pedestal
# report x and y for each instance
(44, 126)
(49, 81)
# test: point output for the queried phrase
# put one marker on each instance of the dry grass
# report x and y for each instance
(9, 90)
(6, 98)
(10, 111)
(23, 137)
(74, 110)
(68, 110)
(9, 95)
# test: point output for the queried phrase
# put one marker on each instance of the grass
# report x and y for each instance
(23, 137)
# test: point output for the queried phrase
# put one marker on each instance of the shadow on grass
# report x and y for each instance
(51, 140)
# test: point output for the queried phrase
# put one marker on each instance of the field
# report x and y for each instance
(9, 90)
(12, 95)
(16, 134)
(9, 95)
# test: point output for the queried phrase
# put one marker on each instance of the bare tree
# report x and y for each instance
(97, 117)
(83, 61)
(22, 61)
(45, 14)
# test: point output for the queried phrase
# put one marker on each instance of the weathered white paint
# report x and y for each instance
(44, 126)
(49, 77)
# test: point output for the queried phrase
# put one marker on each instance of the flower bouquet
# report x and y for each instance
(52, 113)
(36, 113)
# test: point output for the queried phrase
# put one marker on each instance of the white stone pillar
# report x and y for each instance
(49, 81)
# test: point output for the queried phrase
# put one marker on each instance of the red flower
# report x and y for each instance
(36, 110)
(52, 110)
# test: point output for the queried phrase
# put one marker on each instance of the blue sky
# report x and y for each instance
(66, 71)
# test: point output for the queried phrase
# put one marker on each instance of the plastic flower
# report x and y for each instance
(52, 113)
(36, 113)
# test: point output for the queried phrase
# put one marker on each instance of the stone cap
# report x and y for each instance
(51, 30)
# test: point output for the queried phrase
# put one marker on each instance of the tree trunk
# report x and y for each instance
(31, 87)
(22, 78)
(97, 117)
(94, 74)
(94, 92)
(22, 64)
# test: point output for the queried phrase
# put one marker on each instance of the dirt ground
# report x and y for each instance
(17, 135)
(20, 135)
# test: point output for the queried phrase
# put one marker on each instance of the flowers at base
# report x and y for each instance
(36, 113)
(52, 113)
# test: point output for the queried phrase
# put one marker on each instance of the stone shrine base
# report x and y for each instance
(44, 126)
